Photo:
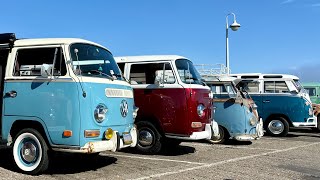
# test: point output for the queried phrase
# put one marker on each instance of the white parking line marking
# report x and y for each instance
(230, 146)
(155, 159)
(224, 162)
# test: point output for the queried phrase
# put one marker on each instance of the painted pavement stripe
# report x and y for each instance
(224, 162)
(155, 159)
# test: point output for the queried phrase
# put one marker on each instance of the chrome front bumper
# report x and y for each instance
(311, 122)
(249, 137)
(113, 144)
(211, 129)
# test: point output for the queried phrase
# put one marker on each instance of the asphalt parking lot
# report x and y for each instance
(294, 157)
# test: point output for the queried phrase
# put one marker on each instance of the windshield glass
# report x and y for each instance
(219, 90)
(311, 91)
(187, 72)
(90, 60)
(230, 90)
(298, 85)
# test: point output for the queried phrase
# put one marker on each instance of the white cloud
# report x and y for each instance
(287, 1)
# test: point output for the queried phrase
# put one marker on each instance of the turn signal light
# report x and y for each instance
(67, 133)
(91, 133)
(196, 124)
(109, 133)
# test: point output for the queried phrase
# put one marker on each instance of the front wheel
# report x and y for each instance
(277, 127)
(149, 138)
(223, 136)
(30, 152)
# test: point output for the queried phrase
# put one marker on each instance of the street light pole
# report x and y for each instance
(234, 26)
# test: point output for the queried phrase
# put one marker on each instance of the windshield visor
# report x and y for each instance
(187, 72)
(90, 60)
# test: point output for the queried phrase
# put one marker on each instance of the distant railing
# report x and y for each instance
(212, 69)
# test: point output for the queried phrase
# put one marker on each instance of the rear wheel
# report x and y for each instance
(223, 137)
(30, 152)
(149, 138)
(277, 127)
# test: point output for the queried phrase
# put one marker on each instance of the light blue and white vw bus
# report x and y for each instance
(235, 111)
(282, 102)
(53, 100)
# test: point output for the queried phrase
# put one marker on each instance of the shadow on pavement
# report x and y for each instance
(70, 163)
(6, 161)
(61, 163)
(166, 151)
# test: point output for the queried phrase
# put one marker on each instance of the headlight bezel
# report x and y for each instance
(100, 112)
(200, 110)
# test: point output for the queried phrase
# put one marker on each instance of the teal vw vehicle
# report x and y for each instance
(53, 101)
(282, 101)
(313, 89)
(235, 111)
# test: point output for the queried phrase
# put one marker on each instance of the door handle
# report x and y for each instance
(266, 101)
(11, 94)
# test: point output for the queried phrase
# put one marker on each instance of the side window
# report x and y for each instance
(253, 87)
(151, 72)
(275, 87)
(121, 66)
(250, 87)
(28, 61)
(311, 91)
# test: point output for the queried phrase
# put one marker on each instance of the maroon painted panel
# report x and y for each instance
(175, 108)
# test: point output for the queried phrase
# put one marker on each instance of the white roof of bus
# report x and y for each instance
(51, 41)
(210, 78)
(263, 76)
(148, 58)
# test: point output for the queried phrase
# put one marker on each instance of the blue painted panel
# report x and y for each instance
(95, 95)
(234, 117)
(293, 106)
(54, 103)
(61, 106)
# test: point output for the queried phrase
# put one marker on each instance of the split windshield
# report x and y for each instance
(223, 89)
(94, 61)
(187, 72)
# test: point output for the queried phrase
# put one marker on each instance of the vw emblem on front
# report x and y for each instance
(124, 108)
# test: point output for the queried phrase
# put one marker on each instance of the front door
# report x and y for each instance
(159, 96)
(52, 100)
(3, 64)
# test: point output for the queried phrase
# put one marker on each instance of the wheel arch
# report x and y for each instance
(275, 116)
(154, 121)
(19, 125)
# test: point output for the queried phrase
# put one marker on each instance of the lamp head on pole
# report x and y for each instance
(235, 26)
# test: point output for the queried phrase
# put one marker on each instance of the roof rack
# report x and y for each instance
(8, 39)
(212, 69)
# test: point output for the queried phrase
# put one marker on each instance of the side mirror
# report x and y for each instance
(158, 81)
(46, 70)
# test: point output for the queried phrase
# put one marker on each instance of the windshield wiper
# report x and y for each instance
(100, 73)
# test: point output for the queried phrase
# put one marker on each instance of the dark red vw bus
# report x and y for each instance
(174, 104)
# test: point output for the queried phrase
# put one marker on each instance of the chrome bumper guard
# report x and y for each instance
(113, 144)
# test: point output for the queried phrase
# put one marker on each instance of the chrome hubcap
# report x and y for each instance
(276, 127)
(28, 152)
(145, 138)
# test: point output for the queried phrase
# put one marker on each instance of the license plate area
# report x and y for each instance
(127, 139)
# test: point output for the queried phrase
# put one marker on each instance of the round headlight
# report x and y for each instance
(100, 112)
(253, 121)
(200, 110)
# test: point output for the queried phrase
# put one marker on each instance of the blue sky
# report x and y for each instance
(280, 36)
